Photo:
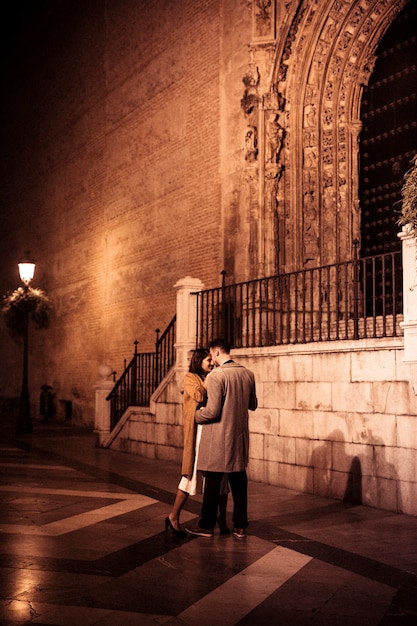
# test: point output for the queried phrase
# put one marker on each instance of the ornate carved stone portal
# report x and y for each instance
(308, 65)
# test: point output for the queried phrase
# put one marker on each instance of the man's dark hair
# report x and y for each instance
(222, 344)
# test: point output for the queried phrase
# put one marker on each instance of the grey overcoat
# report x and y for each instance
(224, 445)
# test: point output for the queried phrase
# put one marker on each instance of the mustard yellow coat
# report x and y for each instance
(194, 394)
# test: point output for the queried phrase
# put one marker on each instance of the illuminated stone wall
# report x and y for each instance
(148, 141)
(336, 419)
(112, 180)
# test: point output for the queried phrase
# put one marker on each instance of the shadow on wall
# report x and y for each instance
(359, 479)
(353, 491)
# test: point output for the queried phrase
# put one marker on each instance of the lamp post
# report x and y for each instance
(24, 424)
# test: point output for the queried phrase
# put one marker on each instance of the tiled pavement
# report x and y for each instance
(83, 542)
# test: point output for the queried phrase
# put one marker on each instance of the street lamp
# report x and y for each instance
(26, 271)
(24, 424)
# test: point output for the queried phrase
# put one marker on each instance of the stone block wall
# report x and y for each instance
(337, 420)
(334, 419)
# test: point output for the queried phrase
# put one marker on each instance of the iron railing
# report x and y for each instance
(350, 300)
(142, 375)
(356, 299)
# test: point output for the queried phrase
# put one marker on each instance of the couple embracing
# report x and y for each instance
(216, 440)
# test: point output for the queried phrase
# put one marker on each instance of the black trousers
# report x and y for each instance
(238, 482)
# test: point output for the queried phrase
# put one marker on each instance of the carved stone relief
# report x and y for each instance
(301, 142)
(263, 20)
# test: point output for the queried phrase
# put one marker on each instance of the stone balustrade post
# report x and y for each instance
(102, 388)
(186, 324)
(409, 323)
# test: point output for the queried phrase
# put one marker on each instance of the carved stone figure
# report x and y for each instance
(251, 144)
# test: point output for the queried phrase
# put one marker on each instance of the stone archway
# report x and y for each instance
(332, 57)
(303, 150)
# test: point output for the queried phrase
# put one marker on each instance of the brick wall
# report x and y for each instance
(112, 179)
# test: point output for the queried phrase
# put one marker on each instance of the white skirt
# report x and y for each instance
(195, 484)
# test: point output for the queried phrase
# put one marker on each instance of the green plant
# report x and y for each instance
(409, 199)
(22, 302)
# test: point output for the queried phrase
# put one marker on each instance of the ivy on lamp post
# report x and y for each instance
(24, 304)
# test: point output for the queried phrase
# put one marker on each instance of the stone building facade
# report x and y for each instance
(144, 142)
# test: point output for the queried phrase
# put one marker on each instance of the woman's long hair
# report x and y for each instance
(196, 361)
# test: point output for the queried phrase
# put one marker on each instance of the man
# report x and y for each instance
(224, 445)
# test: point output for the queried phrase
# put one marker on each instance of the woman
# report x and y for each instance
(195, 395)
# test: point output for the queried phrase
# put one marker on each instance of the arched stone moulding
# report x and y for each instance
(302, 102)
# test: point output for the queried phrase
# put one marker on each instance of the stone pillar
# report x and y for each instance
(409, 324)
(103, 387)
(186, 324)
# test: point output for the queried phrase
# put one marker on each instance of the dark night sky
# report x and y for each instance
(21, 22)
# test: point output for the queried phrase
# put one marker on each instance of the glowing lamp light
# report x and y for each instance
(26, 270)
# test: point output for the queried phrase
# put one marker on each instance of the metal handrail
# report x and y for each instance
(354, 299)
(143, 374)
